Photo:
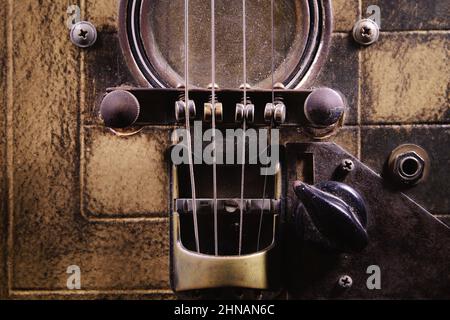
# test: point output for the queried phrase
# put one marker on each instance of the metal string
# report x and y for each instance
(244, 126)
(213, 104)
(261, 218)
(188, 124)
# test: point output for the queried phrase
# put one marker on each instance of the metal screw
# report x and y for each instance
(347, 165)
(83, 34)
(366, 32)
(345, 282)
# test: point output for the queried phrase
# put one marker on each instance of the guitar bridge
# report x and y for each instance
(258, 265)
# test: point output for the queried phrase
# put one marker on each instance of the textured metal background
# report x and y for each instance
(72, 193)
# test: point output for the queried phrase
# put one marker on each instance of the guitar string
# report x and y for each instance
(188, 124)
(213, 107)
(261, 218)
(244, 125)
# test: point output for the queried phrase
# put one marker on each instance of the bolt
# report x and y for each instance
(345, 282)
(83, 34)
(366, 32)
(347, 165)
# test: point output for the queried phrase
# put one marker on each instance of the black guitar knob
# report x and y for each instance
(120, 109)
(337, 213)
(324, 107)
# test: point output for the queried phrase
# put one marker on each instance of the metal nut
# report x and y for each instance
(409, 164)
(366, 32)
(83, 34)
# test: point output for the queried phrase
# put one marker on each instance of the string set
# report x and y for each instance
(261, 218)
(213, 111)
(188, 124)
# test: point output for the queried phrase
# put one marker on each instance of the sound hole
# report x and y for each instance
(162, 31)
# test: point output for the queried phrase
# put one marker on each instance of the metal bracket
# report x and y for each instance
(156, 105)
(193, 271)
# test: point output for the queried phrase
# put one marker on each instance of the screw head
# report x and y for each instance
(279, 86)
(345, 282)
(245, 86)
(366, 32)
(347, 165)
(83, 34)
(216, 86)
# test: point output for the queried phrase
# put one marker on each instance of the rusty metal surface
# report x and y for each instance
(411, 246)
(53, 147)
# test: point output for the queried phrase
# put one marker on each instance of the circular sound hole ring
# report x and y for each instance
(148, 72)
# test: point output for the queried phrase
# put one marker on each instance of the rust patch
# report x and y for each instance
(405, 79)
(346, 137)
(126, 177)
(345, 14)
(104, 14)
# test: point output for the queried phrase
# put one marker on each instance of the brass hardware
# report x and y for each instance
(193, 271)
(207, 115)
(198, 271)
(180, 110)
(208, 112)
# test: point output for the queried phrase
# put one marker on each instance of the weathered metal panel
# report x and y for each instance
(61, 172)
